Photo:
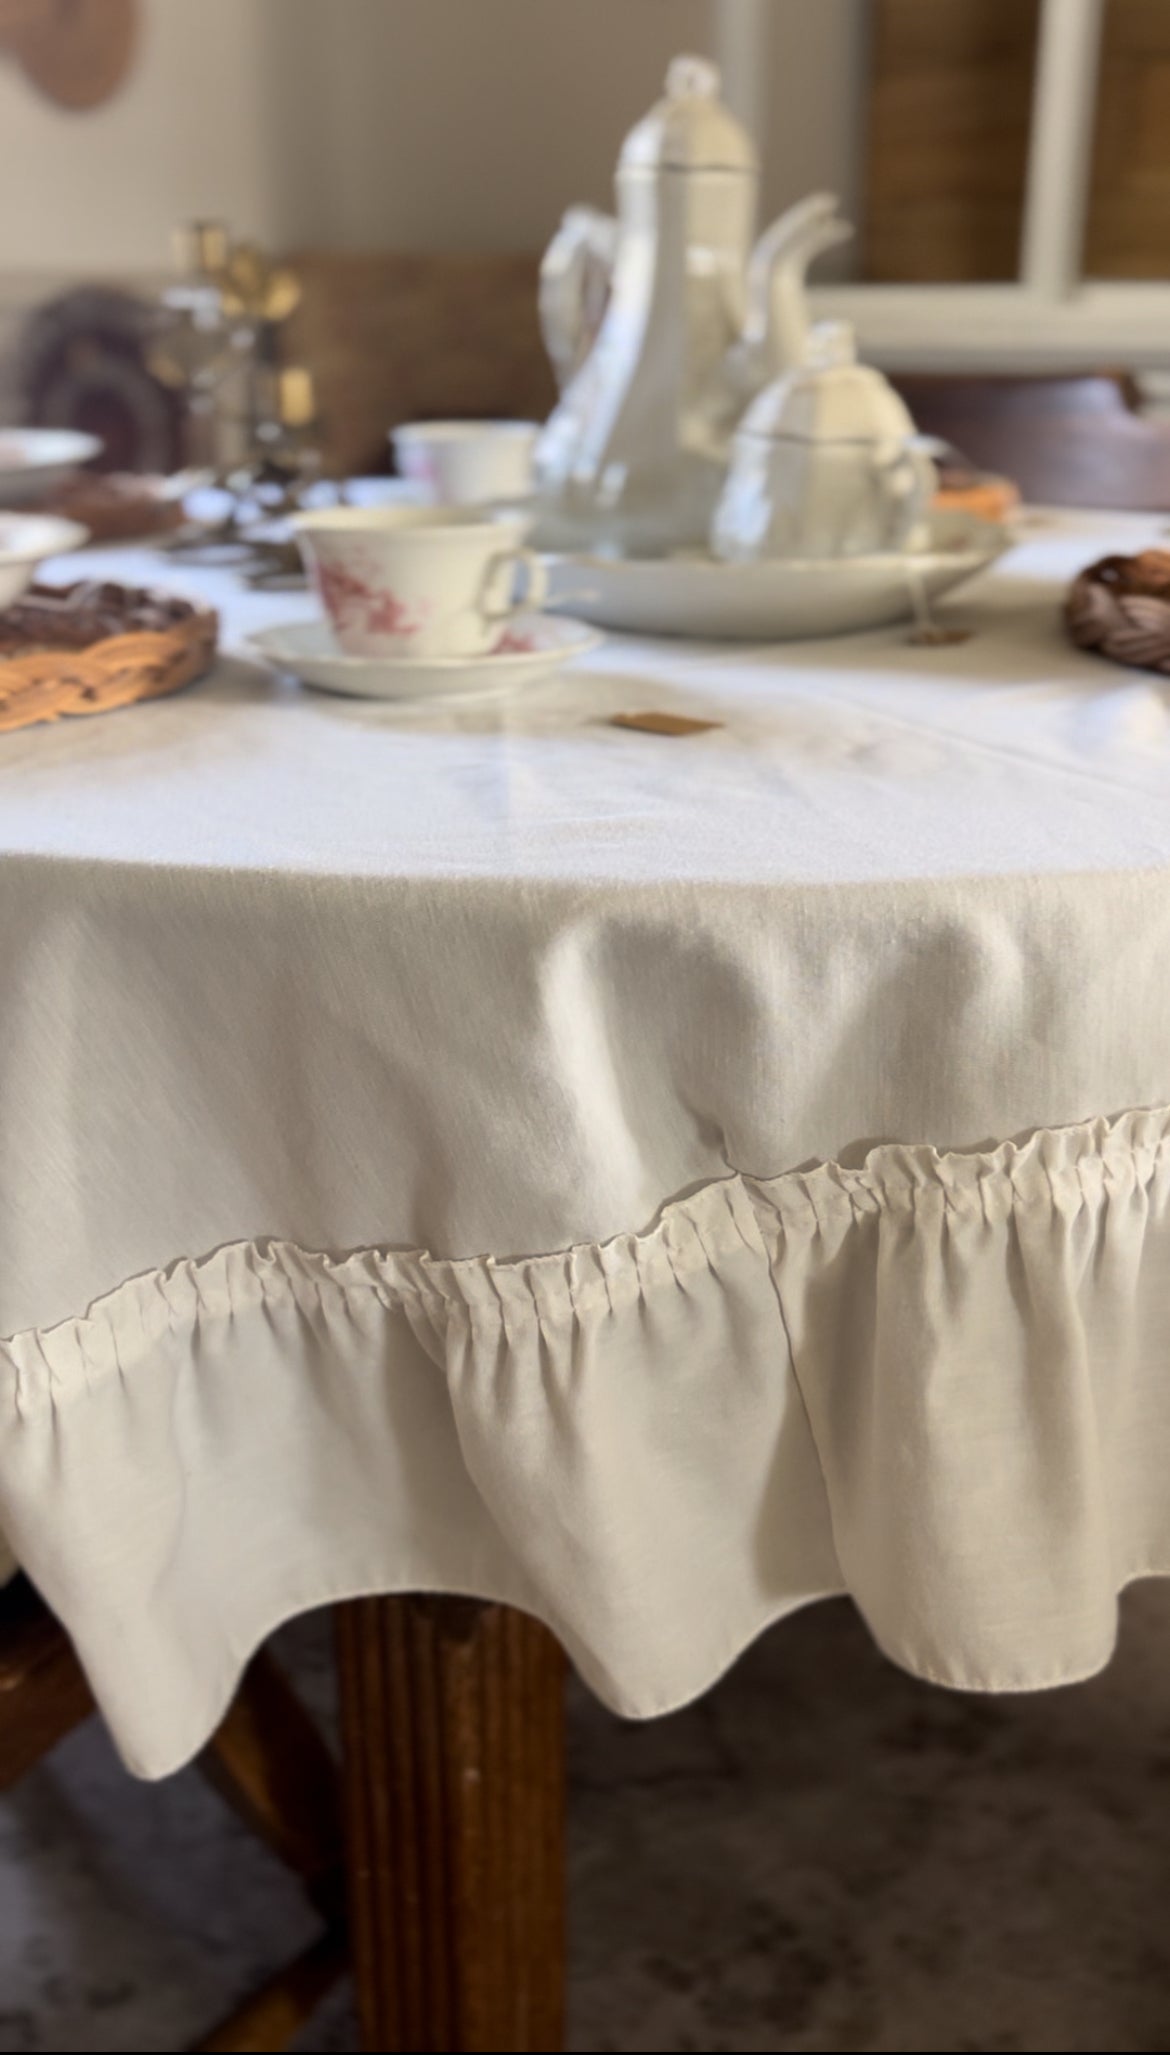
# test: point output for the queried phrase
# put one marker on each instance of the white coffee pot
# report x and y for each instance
(826, 463)
(663, 324)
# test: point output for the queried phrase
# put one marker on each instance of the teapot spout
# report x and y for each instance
(777, 326)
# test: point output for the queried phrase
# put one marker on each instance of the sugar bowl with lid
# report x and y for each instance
(825, 463)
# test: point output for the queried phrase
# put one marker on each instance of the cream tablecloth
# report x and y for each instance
(655, 1183)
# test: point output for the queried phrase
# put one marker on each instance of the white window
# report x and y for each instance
(1050, 317)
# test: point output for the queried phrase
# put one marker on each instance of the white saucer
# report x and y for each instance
(535, 646)
(773, 601)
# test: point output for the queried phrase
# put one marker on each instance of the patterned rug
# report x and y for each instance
(823, 1854)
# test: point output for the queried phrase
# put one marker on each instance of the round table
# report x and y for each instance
(628, 1183)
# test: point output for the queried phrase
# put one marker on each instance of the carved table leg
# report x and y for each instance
(453, 1721)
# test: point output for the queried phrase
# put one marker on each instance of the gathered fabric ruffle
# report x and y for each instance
(938, 1382)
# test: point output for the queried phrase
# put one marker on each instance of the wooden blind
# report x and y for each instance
(1128, 229)
(949, 108)
(951, 90)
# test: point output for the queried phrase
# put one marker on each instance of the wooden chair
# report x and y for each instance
(82, 360)
(1071, 441)
(267, 1760)
(405, 337)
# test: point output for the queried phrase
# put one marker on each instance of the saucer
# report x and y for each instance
(776, 599)
(531, 648)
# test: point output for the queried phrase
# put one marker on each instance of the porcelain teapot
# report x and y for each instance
(662, 325)
(826, 463)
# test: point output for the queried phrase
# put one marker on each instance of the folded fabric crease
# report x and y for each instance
(934, 1381)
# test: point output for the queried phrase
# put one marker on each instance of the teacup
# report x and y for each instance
(418, 581)
(467, 463)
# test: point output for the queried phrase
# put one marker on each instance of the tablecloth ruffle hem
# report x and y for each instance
(936, 1382)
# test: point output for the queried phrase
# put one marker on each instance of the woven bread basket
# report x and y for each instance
(1120, 608)
(86, 648)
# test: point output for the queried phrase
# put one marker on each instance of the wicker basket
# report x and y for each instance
(1120, 608)
(86, 648)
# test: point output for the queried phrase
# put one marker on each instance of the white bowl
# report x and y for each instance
(25, 541)
(34, 461)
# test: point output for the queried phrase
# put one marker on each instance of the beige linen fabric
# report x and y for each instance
(937, 1382)
(287, 978)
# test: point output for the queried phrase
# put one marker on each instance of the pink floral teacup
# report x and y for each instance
(418, 581)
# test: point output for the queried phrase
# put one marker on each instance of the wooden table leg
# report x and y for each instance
(453, 1724)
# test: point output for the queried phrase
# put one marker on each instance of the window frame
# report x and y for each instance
(1051, 316)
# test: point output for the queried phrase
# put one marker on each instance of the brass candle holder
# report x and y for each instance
(253, 418)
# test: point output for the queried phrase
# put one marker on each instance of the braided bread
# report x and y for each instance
(1120, 608)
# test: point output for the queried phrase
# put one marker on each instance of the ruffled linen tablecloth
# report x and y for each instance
(652, 1183)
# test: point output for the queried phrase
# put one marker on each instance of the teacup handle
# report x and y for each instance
(915, 484)
(499, 604)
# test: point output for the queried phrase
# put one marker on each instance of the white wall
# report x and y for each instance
(408, 123)
(101, 191)
(814, 110)
(465, 123)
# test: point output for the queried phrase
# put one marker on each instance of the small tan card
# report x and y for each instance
(662, 724)
(938, 638)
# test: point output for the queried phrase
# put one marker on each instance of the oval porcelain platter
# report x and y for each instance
(777, 600)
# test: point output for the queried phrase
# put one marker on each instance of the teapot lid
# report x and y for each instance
(690, 128)
(830, 397)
